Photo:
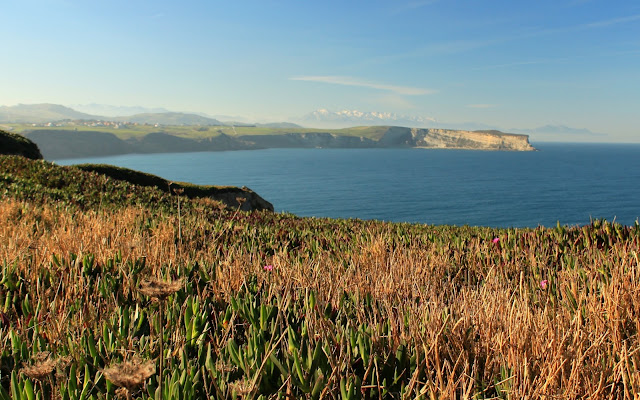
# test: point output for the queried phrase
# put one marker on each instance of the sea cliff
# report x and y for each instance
(396, 136)
(60, 143)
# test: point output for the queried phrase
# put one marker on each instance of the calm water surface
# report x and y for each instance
(566, 183)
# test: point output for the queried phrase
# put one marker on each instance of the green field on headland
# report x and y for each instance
(111, 289)
(94, 139)
(129, 131)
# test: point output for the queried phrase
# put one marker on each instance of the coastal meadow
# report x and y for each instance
(111, 290)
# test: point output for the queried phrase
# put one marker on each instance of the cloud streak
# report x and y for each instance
(613, 21)
(349, 81)
(413, 5)
(481, 105)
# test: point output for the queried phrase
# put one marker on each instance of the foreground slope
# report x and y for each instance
(90, 183)
(269, 305)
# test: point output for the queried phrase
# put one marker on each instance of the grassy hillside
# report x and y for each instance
(199, 132)
(91, 141)
(11, 143)
(272, 306)
(87, 185)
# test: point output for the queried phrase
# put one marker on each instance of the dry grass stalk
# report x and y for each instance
(159, 289)
(40, 370)
(130, 374)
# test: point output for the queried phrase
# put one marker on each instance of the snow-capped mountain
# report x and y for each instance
(346, 118)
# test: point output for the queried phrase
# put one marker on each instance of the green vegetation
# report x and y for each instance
(11, 143)
(263, 305)
(87, 185)
(125, 132)
(201, 132)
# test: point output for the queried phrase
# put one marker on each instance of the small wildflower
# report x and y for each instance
(543, 284)
(496, 240)
(268, 267)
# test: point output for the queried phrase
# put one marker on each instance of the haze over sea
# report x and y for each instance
(565, 183)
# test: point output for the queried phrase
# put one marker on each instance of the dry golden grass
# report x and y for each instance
(475, 312)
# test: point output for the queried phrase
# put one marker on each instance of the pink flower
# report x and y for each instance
(496, 240)
(268, 267)
(544, 283)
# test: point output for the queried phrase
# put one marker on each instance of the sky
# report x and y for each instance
(500, 63)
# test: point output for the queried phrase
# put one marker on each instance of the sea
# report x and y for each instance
(561, 183)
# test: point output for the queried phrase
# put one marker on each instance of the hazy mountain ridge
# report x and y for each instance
(324, 118)
(321, 118)
(168, 118)
(559, 132)
(46, 112)
(115, 111)
(40, 113)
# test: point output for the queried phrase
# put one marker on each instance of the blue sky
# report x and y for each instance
(508, 64)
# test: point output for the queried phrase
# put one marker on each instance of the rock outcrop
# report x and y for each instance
(398, 137)
(243, 197)
(454, 139)
(474, 140)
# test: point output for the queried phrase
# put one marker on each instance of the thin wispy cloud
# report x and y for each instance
(591, 25)
(523, 63)
(613, 21)
(413, 5)
(349, 81)
(481, 105)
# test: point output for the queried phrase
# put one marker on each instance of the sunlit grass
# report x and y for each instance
(278, 306)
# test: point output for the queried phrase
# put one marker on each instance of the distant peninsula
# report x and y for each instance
(61, 133)
(63, 142)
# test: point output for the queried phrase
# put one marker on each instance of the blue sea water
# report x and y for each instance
(565, 183)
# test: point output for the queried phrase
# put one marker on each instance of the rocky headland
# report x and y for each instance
(398, 137)
(61, 143)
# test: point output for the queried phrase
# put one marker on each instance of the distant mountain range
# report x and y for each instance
(168, 118)
(115, 111)
(39, 113)
(559, 133)
(324, 118)
(43, 113)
